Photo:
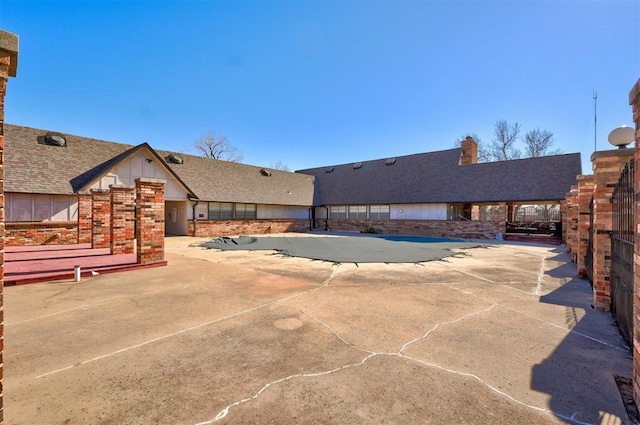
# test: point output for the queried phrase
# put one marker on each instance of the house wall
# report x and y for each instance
(439, 228)
(27, 207)
(176, 217)
(142, 165)
(405, 212)
(418, 211)
(280, 212)
(216, 228)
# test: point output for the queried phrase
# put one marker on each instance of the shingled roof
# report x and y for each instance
(437, 177)
(36, 168)
(214, 180)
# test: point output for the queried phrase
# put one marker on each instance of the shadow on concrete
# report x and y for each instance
(579, 375)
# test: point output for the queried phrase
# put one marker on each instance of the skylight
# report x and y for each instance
(390, 161)
(357, 165)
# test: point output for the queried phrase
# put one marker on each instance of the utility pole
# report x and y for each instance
(595, 120)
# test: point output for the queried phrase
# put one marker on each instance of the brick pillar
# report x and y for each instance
(585, 192)
(634, 100)
(502, 217)
(100, 218)
(572, 222)
(607, 166)
(123, 206)
(85, 214)
(150, 220)
(8, 68)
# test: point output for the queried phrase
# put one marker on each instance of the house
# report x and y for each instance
(47, 172)
(50, 178)
(436, 193)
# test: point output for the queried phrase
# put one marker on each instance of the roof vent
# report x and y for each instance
(330, 170)
(390, 161)
(357, 165)
(52, 139)
(175, 159)
(265, 173)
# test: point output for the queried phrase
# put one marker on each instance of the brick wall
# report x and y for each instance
(634, 100)
(100, 218)
(438, 228)
(41, 233)
(215, 228)
(85, 229)
(150, 220)
(123, 206)
(607, 166)
(8, 67)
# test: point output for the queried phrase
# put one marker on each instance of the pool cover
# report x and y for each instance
(350, 249)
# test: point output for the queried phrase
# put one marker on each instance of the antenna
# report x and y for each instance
(595, 120)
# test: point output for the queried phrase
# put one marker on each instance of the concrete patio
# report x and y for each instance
(495, 335)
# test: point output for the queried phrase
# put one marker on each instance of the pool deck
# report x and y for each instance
(42, 263)
(497, 335)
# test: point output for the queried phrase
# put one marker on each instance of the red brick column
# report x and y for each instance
(100, 218)
(123, 206)
(571, 222)
(85, 223)
(150, 220)
(634, 100)
(8, 68)
(607, 166)
(585, 192)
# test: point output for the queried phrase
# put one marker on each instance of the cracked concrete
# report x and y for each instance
(498, 335)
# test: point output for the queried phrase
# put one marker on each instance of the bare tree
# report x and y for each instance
(216, 146)
(279, 165)
(503, 146)
(483, 153)
(538, 143)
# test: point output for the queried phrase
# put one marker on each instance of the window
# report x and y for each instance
(379, 212)
(220, 211)
(245, 211)
(357, 212)
(338, 212)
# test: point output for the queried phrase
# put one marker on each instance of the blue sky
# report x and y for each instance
(313, 83)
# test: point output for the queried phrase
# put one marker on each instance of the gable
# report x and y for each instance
(142, 163)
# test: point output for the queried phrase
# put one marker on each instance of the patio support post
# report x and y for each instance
(150, 220)
(8, 68)
(123, 205)
(607, 166)
(634, 100)
(502, 217)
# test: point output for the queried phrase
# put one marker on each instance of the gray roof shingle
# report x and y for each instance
(36, 168)
(436, 177)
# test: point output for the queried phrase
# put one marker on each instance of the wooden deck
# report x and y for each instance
(31, 264)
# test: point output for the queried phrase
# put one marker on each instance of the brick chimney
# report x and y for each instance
(469, 151)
